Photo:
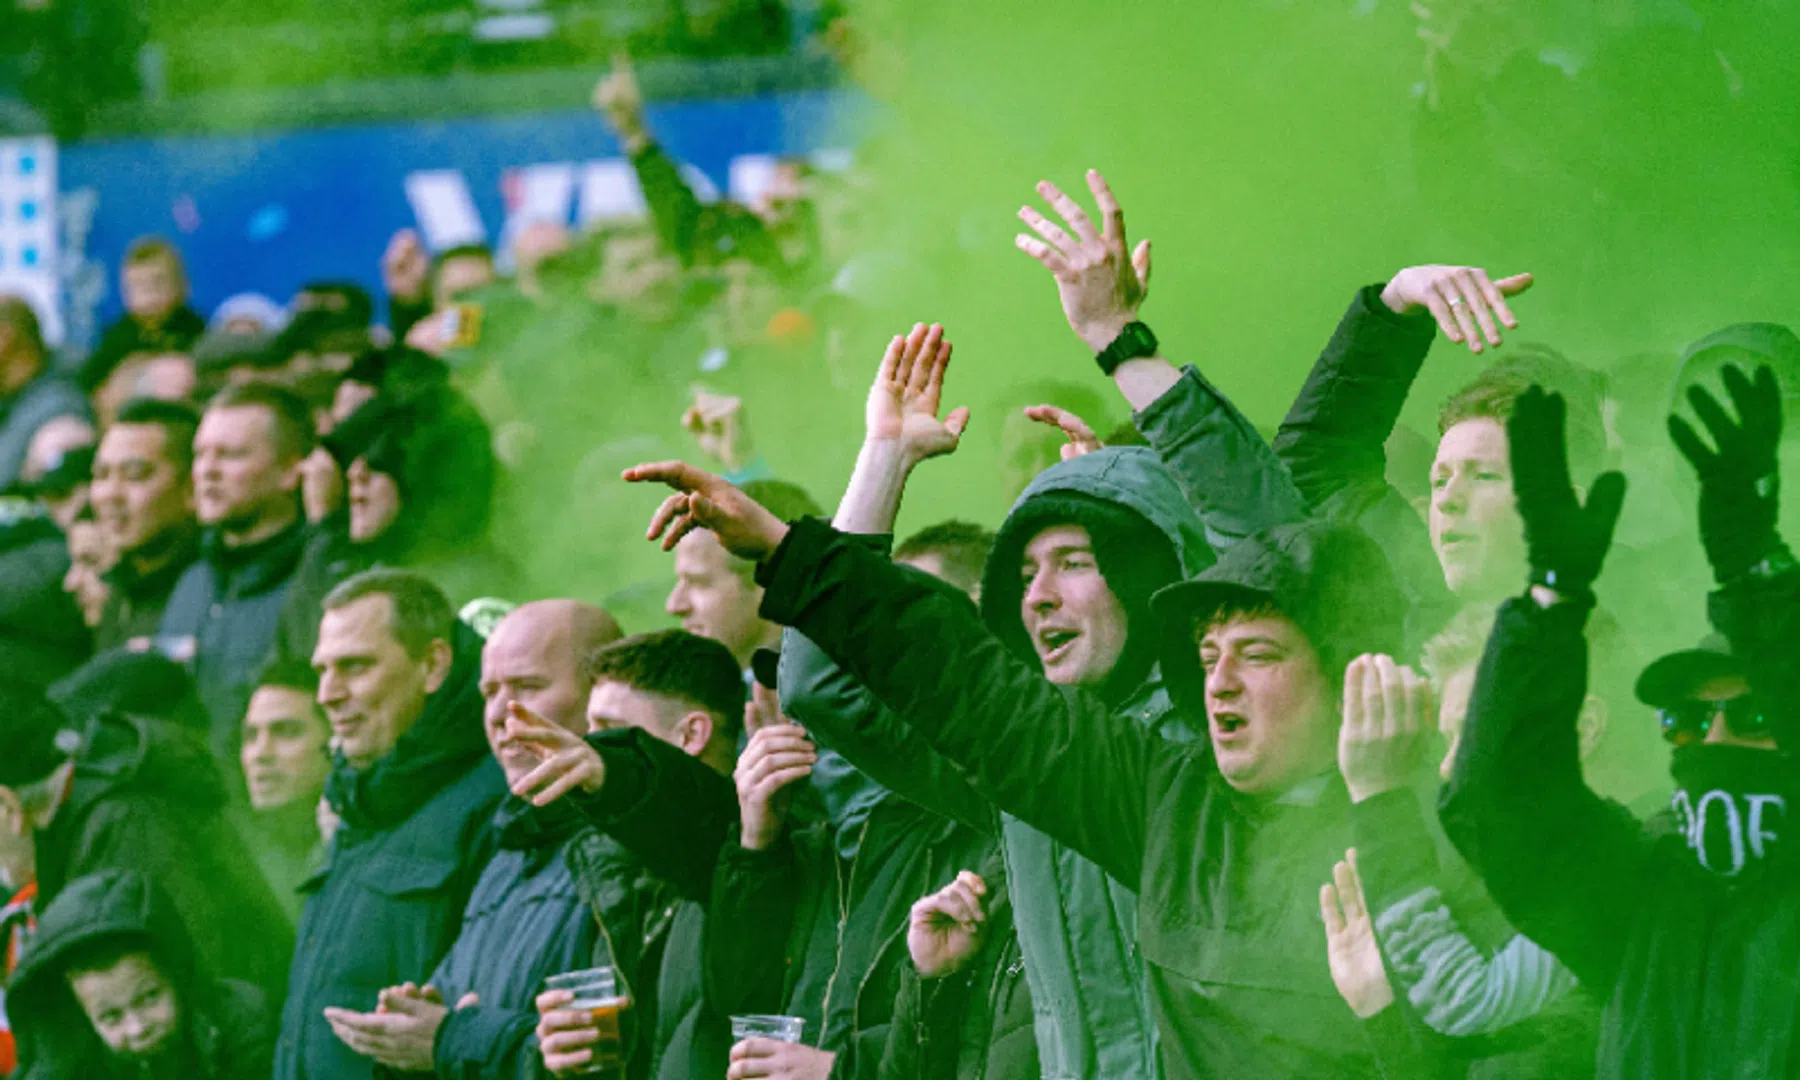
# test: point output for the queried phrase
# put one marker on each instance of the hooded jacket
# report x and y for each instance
(42, 637)
(389, 901)
(228, 602)
(1226, 917)
(1695, 969)
(1076, 927)
(147, 796)
(43, 399)
(226, 1030)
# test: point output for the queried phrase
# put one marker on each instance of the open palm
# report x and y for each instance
(1350, 942)
(908, 392)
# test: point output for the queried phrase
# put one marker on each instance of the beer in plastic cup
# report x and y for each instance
(596, 992)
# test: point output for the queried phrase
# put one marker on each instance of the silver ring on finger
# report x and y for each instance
(1457, 300)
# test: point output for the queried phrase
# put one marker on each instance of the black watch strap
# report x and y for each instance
(1133, 342)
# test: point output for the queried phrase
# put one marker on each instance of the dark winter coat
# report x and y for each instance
(774, 939)
(135, 602)
(148, 797)
(228, 602)
(227, 1027)
(1334, 438)
(1696, 970)
(389, 901)
(525, 921)
(1226, 904)
(42, 637)
(977, 1023)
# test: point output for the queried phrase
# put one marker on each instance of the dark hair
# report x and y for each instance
(294, 431)
(676, 664)
(289, 673)
(103, 951)
(962, 545)
(17, 312)
(786, 501)
(421, 613)
(178, 422)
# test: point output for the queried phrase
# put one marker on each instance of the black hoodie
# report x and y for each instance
(389, 900)
(226, 1031)
(147, 796)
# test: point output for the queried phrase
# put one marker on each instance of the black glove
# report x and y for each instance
(1740, 485)
(1566, 541)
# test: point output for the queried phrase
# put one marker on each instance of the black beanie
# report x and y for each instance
(1134, 556)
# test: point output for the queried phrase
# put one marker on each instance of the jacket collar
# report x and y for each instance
(254, 568)
(183, 549)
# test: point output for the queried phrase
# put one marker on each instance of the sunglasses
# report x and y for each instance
(1687, 723)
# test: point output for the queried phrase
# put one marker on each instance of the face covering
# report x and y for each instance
(1730, 802)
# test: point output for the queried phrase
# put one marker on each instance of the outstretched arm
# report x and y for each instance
(1054, 756)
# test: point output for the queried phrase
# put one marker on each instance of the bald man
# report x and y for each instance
(526, 919)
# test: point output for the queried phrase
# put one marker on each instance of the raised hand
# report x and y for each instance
(1565, 540)
(1389, 718)
(618, 97)
(1462, 299)
(705, 501)
(716, 421)
(775, 758)
(1101, 286)
(565, 760)
(406, 268)
(1082, 439)
(945, 930)
(908, 392)
(1350, 942)
(1740, 481)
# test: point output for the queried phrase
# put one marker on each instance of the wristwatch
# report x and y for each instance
(1133, 342)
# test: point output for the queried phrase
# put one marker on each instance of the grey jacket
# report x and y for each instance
(1077, 926)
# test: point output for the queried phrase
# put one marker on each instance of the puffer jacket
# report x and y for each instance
(227, 1028)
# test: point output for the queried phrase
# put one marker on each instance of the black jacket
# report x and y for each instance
(389, 901)
(135, 602)
(227, 1030)
(977, 1023)
(42, 637)
(1333, 441)
(148, 797)
(525, 921)
(1696, 970)
(228, 602)
(177, 333)
(795, 929)
(1227, 886)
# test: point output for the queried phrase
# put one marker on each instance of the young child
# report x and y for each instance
(109, 987)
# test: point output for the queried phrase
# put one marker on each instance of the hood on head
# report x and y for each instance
(1127, 499)
(1331, 580)
(140, 683)
(147, 753)
(108, 904)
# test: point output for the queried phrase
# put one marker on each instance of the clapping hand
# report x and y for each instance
(1350, 943)
(1389, 720)
(775, 758)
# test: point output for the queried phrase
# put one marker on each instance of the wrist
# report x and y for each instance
(1100, 333)
(1372, 1002)
(1364, 790)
